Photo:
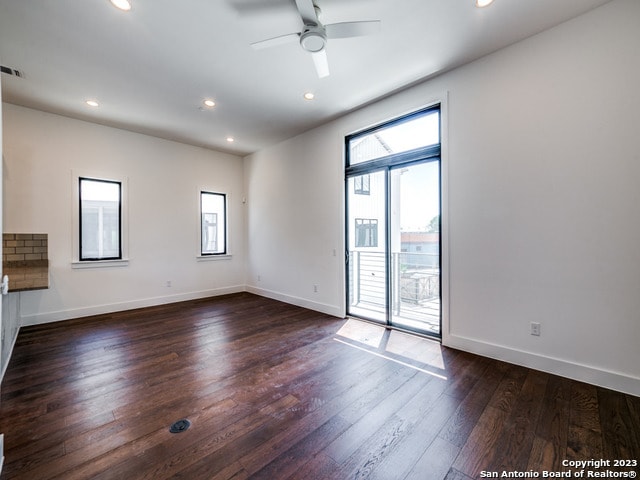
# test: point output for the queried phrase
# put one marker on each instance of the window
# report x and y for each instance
(100, 219)
(366, 232)
(213, 223)
(362, 185)
(413, 134)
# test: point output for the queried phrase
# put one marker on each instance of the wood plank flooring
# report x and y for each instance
(274, 391)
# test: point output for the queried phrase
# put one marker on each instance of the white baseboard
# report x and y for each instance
(300, 302)
(48, 317)
(584, 373)
(60, 315)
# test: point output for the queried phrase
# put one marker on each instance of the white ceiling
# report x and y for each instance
(151, 68)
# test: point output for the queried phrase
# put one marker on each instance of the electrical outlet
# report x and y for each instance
(315, 289)
(168, 283)
(535, 328)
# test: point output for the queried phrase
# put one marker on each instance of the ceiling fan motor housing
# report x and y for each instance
(313, 39)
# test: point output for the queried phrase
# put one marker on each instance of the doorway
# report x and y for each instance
(393, 208)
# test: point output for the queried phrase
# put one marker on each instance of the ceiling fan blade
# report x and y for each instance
(321, 63)
(307, 12)
(275, 41)
(352, 29)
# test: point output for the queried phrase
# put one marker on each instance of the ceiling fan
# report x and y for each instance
(314, 35)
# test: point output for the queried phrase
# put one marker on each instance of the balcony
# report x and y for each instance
(414, 279)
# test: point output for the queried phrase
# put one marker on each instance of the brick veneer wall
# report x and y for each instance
(18, 248)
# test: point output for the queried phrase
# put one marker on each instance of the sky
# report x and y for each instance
(419, 190)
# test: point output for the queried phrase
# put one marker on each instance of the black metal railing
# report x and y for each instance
(415, 278)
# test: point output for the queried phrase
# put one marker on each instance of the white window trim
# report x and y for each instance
(75, 219)
(122, 262)
(214, 257)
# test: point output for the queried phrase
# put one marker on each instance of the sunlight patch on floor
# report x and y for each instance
(386, 357)
(398, 347)
(416, 348)
(362, 332)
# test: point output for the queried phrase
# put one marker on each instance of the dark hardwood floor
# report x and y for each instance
(275, 391)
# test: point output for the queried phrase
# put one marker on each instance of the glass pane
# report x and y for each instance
(212, 207)
(367, 268)
(415, 247)
(99, 219)
(417, 132)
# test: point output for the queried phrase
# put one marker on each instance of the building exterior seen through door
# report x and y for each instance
(393, 223)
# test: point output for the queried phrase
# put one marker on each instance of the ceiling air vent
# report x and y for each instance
(11, 71)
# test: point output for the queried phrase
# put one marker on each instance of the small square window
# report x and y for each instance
(366, 232)
(362, 185)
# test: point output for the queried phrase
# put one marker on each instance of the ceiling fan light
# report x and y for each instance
(209, 103)
(483, 3)
(313, 40)
(122, 4)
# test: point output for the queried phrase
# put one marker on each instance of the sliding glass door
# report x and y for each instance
(415, 247)
(393, 223)
(367, 263)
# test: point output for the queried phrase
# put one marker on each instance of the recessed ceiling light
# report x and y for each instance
(122, 4)
(309, 96)
(230, 139)
(483, 3)
(92, 103)
(209, 103)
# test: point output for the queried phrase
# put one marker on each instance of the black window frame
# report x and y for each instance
(418, 154)
(224, 223)
(387, 163)
(81, 256)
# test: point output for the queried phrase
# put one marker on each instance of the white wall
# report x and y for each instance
(42, 150)
(543, 201)
(295, 221)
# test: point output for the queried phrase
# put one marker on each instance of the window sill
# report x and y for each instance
(210, 258)
(100, 263)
